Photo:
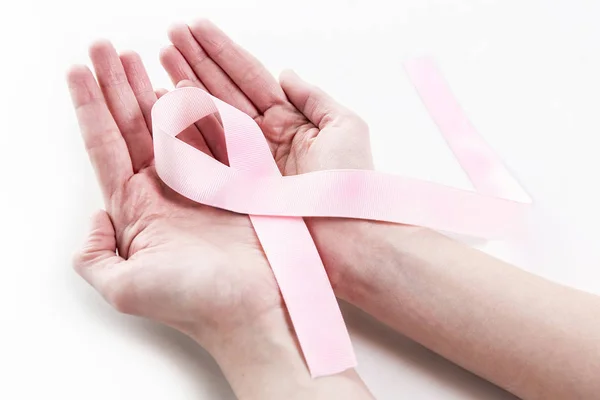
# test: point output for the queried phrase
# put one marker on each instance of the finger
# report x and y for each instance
(192, 136)
(140, 84)
(212, 132)
(177, 67)
(315, 104)
(103, 141)
(247, 72)
(208, 72)
(98, 263)
(349, 132)
(160, 92)
(122, 103)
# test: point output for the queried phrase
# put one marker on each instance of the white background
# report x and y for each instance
(525, 71)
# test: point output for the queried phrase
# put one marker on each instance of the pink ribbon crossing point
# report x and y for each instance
(253, 185)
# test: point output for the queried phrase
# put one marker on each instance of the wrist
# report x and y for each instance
(357, 254)
(263, 360)
(251, 354)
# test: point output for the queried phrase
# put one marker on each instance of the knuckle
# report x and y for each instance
(100, 140)
(200, 58)
(217, 48)
(220, 47)
(251, 74)
(135, 124)
(114, 78)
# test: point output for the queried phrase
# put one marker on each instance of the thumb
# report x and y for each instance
(97, 261)
(314, 103)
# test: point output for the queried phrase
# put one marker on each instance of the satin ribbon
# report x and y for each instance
(483, 166)
(253, 185)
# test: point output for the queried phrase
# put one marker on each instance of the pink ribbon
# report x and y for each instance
(485, 169)
(253, 185)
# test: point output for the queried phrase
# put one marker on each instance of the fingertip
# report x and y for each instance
(166, 53)
(202, 23)
(82, 84)
(130, 57)
(77, 73)
(101, 47)
(175, 64)
(176, 31)
(289, 71)
(160, 92)
(287, 75)
(185, 83)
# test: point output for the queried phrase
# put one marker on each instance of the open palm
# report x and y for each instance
(193, 267)
(306, 129)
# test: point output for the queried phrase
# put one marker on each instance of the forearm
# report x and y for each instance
(263, 361)
(528, 335)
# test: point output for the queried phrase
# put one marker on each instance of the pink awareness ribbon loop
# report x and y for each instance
(253, 185)
(286, 241)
